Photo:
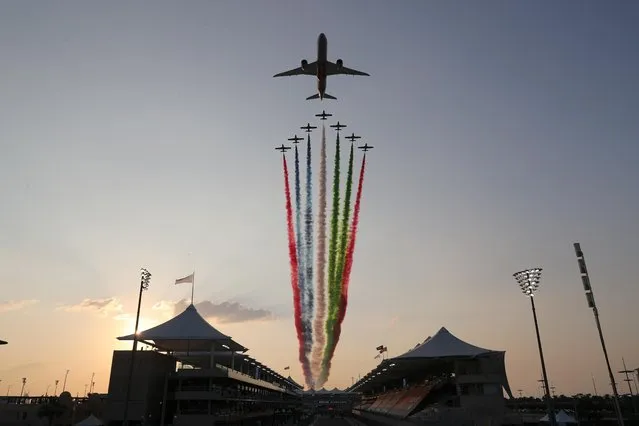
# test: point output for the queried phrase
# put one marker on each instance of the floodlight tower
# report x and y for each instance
(64, 385)
(528, 281)
(629, 381)
(145, 279)
(590, 298)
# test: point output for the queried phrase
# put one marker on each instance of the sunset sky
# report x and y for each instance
(141, 134)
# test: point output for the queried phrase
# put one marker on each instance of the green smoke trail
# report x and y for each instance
(343, 238)
(336, 278)
(333, 293)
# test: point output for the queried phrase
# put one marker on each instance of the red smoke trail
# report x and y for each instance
(292, 251)
(346, 276)
(320, 315)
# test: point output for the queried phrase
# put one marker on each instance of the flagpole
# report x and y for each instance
(193, 286)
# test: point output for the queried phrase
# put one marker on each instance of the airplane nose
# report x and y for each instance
(322, 36)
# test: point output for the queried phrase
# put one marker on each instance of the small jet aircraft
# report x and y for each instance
(323, 115)
(352, 137)
(321, 68)
(338, 126)
(308, 128)
(296, 139)
(283, 148)
(365, 148)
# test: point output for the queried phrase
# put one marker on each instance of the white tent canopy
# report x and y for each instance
(187, 332)
(90, 421)
(444, 345)
(562, 418)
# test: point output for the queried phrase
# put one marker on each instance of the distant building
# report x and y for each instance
(195, 375)
(63, 410)
(325, 401)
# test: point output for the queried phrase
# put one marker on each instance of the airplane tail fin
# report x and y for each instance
(316, 96)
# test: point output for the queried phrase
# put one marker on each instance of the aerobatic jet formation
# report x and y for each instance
(321, 68)
(296, 139)
(323, 115)
(338, 126)
(308, 128)
(352, 138)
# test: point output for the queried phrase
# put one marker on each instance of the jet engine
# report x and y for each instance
(304, 64)
(339, 63)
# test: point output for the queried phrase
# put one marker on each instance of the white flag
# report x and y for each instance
(188, 279)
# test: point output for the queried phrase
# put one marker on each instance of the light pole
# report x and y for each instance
(24, 382)
(528, 281)
(629, 381)
(145, 279)
(64, 385)
(55, 391)
(590, 298)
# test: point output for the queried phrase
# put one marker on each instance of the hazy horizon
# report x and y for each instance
(142, 134)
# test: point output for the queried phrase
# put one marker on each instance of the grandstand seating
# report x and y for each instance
(402, 403)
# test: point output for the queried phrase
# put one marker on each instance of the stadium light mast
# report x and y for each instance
(629, 381)
(145, 279)
(590, 298)
(528, 281)
(64, 385)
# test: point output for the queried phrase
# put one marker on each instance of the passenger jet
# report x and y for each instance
(321, 68)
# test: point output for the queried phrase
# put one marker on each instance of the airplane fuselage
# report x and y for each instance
(322, 48)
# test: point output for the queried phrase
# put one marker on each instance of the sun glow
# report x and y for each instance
(128, 325)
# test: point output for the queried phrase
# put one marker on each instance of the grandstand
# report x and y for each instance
(442, 380)
(194, 374)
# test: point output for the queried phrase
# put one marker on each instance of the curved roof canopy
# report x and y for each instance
(187, 332)
(444, 345)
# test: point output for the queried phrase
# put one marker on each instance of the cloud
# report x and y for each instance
(15, 305)
(224, 313)
(124, 317)
(101, 307)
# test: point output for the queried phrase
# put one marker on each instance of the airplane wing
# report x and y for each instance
(333, 69)
(310, 69)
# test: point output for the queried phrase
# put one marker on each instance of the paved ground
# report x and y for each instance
(329, 421)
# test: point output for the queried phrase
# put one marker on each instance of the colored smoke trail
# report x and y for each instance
(292, 251)
(320, 314)
(333, 321)
(333, 287)
(308, 254)
(300, 247)
(346, 277)
(343, 238)
(332, 245)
